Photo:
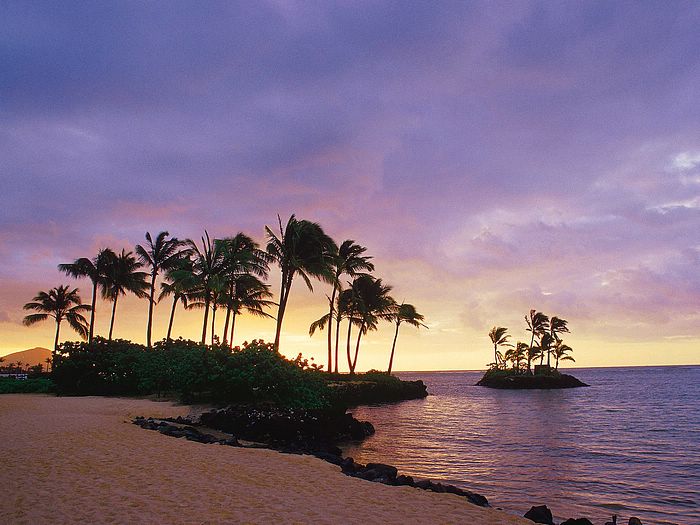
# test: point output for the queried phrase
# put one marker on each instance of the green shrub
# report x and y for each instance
(255, 373)
(26, 386)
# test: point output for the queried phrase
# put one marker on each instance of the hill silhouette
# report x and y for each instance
(31, 357)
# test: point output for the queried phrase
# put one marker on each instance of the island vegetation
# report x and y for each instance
(514, 365)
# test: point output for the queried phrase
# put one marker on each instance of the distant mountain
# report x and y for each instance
(31, 357)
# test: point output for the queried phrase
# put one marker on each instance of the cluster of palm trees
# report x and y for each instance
(229, 274)
(545, 340)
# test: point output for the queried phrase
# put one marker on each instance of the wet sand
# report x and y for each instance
(80, 460)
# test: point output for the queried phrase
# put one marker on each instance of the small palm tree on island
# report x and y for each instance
(404, 313)
(499, 338)
(60, 303)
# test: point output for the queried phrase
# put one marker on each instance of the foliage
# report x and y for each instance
(26, 386)
(255, 373)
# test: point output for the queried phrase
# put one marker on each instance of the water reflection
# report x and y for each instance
(630, 443)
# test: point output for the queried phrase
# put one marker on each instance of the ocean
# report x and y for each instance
(627, 445)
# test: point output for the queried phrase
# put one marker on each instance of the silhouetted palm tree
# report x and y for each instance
(537, 324)
(123, 276)
(48, 364)
(371, 303)
(404, 313)
(250, 294)
(60, 303)
(557, 326)
(95, 270)
(303, 249)
(179, 282)
(499, 337)
(241, 257)
(348, 261)
(560, 352)
(516, 354)
(157, 256)
(206, 276)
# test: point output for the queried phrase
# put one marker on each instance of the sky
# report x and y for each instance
(493, 157)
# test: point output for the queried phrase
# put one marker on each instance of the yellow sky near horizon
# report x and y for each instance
(448, 344)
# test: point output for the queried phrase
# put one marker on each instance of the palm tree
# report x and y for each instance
(122, 276)
(557, 326)
(516, 354)
(371, 303)
(94, 269)
(537, 324)
(250, 294)
(348, 261)
(179, 283)
(404, 313)
(303, 249)
(205, 276)
(499, 337)
(60, 303)
(560, 351)
(241, 257)
(48, 364)
(158, 256)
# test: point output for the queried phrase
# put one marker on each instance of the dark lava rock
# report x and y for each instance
(634, 521)
(540, 514)
(362, 392)
(529, 382)
(384, 470)
(577, 521)
(289, 429)
(405, 480)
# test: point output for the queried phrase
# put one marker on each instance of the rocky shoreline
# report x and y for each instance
(313, 432)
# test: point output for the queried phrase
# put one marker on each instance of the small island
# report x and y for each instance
(513, 369)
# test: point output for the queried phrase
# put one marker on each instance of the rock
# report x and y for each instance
(405, 480)
(577, 521)
(384, 470)
(540, 514)
(635, 521)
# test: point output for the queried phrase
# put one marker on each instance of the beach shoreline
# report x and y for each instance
(79, 459)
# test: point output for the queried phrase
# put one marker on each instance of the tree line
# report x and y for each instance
(229, 275)
(545, 340)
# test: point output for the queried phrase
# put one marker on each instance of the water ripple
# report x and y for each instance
(630, 444)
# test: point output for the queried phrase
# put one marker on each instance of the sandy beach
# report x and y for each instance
(80, 460)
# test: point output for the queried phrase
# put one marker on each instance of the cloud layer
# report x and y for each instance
(492, 157)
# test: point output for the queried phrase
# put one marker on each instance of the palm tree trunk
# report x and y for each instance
(172, 316)
(228, 318)
(529, 359)
(114, 312)
(357, 346)
(330, 324)
(213, 321)
(337, 335)
(92, 311)
(549, 352)
(233, 325)
(393, 346)
(58, 329)
(206, 317)
(150, 308)
(352, 369)
(284, 294)
(495, 354)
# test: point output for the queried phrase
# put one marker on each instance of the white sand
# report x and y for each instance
(80, 460)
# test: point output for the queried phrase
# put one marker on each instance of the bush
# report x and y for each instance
(255, 373)
(26, 386)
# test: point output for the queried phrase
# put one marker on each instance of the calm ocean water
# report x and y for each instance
(628, 445)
